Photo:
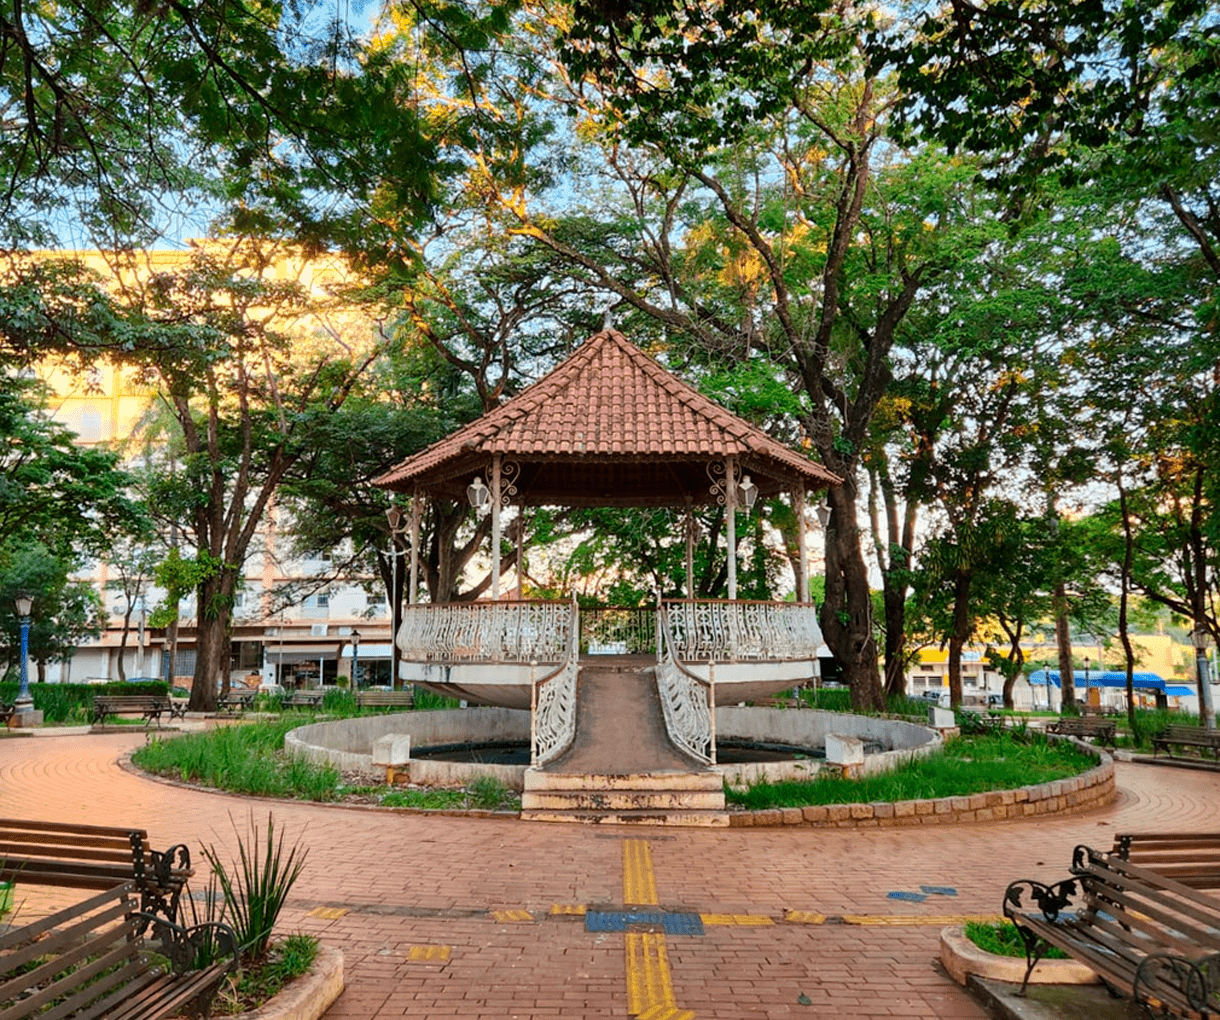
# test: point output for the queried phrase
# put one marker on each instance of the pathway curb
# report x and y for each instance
(307, 997)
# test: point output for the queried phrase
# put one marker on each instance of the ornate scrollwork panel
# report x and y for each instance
(726, 631)
(485, 632)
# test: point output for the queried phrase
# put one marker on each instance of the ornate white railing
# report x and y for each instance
(687, 700)
(553, 701)
(723, 631)
(485, 632)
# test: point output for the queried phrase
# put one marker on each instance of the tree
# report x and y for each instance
(247, 396)
(65, 611)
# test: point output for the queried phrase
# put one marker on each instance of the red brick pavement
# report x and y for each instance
(409, 880)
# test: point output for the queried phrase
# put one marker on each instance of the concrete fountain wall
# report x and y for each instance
(348, 743)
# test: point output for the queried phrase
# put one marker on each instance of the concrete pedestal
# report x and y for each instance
(26, 718)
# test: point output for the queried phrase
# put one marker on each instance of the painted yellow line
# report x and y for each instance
(742, 919)
(505, 916)
(648, 981)
(639, 882)
(429, 954)
(330, 913)
(576, 909)
(804, 917)
(887, 920)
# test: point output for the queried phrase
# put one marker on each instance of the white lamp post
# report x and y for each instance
(355, 657)
(1201, 639)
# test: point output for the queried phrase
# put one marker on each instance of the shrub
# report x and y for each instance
(255, 891)
(1003, 940)
(74, 702)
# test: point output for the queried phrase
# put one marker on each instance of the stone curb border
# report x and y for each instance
(307, 997)
(1085, 792)
(962, 958)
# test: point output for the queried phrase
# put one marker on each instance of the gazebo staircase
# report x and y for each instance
(622, 767)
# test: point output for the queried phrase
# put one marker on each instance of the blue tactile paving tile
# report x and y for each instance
(913, 897)
(939, 890)
(622, 920)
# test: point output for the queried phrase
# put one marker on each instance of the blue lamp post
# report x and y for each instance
(24, 604)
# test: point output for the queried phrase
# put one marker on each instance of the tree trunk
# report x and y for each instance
(960, 634)
(847, 615)
(212, 641)
(123, 643)
(1063, 638)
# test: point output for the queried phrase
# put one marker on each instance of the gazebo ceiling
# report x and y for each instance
(608, 427)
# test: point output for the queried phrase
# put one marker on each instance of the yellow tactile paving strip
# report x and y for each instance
(739, 919)
(511, 916)
(650, 993)
(429, 954)
(639, 882)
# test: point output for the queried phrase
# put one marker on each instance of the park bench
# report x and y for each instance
(311, 699)
(1187, 736)
(1192, 858)
(237, 701)
(386, 699)
(94, 857)
(1090, 726)
(151, 706)
(1145, 935)
(99, 960)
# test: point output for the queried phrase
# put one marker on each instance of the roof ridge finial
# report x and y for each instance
(608, 318)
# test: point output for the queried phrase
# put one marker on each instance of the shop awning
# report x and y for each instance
(1113, 678)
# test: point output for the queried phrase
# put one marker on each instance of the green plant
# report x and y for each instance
(426, 700)
(1003, 940)
(254, 893)
(433, 799)
(257, 982)
(488, 793)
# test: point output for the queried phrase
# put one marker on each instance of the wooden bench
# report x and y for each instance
(151, 706)
(311, 699)
(1148, 936)
(94, 857)
(1187, 736)
(1091, 726)
(1192, 858)
(94, 961)
(237, 701)
(386, 699)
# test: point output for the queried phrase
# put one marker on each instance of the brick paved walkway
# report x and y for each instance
(452, 917)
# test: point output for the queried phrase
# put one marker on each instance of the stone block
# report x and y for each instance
(844, 751)
(941, 718)
(393, 750)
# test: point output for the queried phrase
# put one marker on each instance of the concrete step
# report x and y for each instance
(704, 819)
(623, 800)
(540, 779)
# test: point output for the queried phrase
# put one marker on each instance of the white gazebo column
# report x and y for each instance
(802, 560)
(416, 512)
(520, 550)
(690, 552)
(730, 516)
(495, 526)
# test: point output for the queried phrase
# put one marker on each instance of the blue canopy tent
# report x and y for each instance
(1112, 678)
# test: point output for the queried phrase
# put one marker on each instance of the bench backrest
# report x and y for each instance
(383, 698)
(1192, 858)
(1188, 733)
(1128, 907)
(75, 945)
(134, 701)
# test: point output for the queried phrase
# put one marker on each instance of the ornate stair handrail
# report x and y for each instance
(688, 701)
(706, 630)
(553, 700)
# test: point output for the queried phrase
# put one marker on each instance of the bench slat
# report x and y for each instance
(123, 953)
(74, 932)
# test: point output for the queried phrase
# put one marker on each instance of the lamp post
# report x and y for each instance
(25, 703)
(394, 518)
(355, 656)
(1201, 639)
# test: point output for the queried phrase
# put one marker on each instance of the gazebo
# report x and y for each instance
(609, 427)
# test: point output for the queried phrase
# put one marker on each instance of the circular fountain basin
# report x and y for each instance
(450, 747)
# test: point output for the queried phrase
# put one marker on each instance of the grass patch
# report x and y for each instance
(485, 793)
(1003, 940)
(966, 765)
(255, 983)
(245, 759)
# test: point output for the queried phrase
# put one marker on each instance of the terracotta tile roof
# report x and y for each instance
(608, 400)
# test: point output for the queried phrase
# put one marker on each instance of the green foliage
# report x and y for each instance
(489, 793)
(425, 799)
(258, 981)
(62, 703)
(1003, 940)
(258, 885)
(966, 765)
(248, 758)
(427, 700)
